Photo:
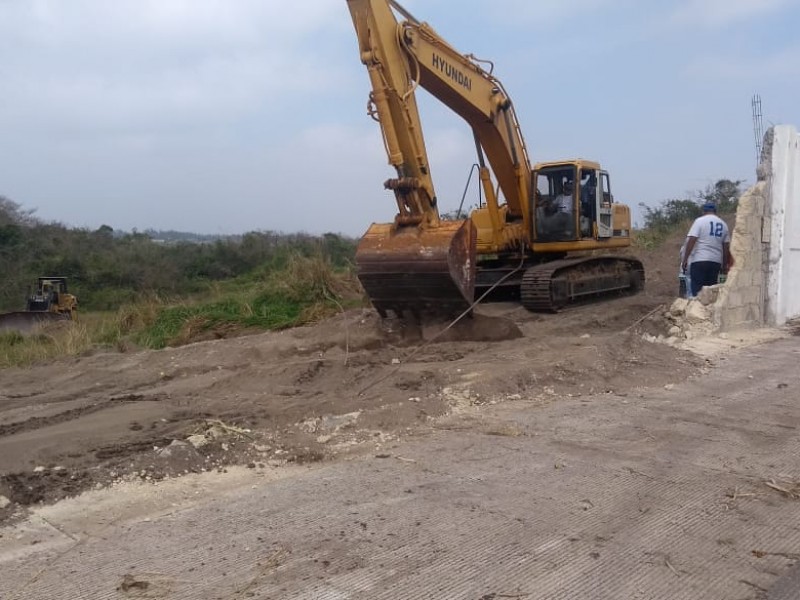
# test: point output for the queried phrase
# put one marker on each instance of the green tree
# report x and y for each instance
(12, 213)
(670, 213)
(724, 193)
(10, 235)
(106, 268)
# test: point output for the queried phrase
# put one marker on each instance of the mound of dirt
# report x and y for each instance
(350, 384)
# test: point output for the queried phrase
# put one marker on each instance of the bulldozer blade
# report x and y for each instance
(28, 321)
(422, 271)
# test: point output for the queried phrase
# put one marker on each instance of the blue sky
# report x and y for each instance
(226, 116)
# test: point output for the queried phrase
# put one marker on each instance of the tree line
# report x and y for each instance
(106, 268)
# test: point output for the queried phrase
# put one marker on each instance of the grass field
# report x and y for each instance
(303, 291)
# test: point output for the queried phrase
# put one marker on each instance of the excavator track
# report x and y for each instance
(552, 285)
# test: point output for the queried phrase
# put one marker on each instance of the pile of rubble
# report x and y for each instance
(687, 319)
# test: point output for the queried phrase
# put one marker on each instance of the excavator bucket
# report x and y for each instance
(28, 321)
(420, 271)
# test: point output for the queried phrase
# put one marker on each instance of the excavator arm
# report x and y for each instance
(420, 262)
(401, 55)
(393, 103)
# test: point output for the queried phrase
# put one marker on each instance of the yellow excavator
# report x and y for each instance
(49, 302)
(547, 240)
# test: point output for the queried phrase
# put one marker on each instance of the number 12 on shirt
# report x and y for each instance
(716, 229)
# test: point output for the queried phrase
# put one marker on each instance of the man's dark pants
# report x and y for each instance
(705, 272)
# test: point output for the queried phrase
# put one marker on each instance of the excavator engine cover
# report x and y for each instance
(423, 271)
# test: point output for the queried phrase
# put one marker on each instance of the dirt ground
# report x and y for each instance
(349, 385)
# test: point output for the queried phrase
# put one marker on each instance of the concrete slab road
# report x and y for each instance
(682, 493)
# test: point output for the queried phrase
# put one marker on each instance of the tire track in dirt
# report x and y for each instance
(34, 423)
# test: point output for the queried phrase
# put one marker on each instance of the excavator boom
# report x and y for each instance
(418, 263)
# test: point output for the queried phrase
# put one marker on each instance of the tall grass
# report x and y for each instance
(304, 290)
(651, 238)
(65, 338)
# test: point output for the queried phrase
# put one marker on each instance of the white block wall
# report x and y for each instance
(783, 279)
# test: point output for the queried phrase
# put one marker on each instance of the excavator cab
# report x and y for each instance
(555, 203)
(573, 202)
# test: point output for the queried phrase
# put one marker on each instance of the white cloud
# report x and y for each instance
(175, 22)
(776, 66)
(331, 178)
(335, 175)
(89, 65)
(211, 92)
(544, 13)
(451, 152)
(326, 178)
(719, 13)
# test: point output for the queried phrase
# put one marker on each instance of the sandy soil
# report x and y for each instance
(349, 385)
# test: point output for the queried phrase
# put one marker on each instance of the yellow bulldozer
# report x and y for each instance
(552, 239)
(49, 302)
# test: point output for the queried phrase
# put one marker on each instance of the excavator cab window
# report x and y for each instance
(605, 186)
(555, 204)
(588, 197)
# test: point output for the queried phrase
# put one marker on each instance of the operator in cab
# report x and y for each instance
(560, 222)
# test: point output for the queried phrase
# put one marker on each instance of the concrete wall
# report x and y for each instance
(783, 285)
(740, 302)
(764, 284)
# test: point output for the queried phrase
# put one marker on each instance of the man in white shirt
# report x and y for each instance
(708, 249)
